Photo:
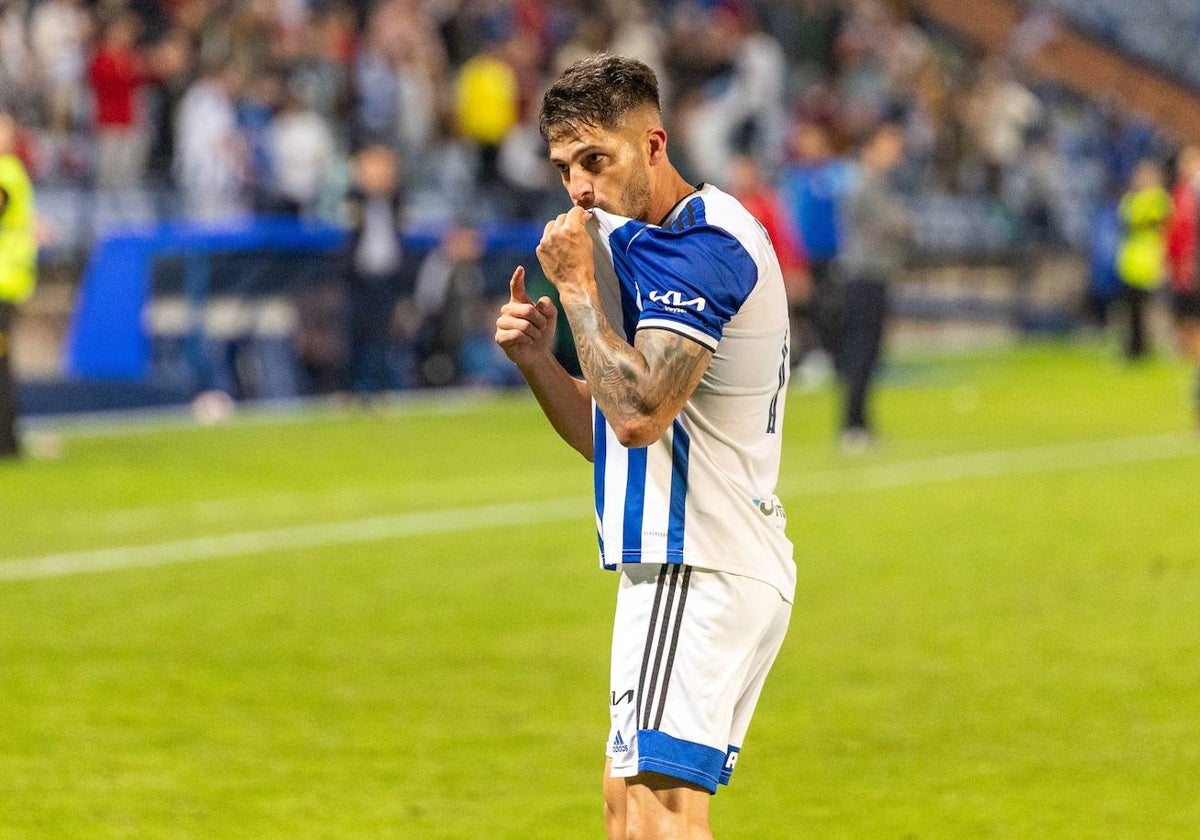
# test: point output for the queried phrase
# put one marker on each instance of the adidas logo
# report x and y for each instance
(619, 745)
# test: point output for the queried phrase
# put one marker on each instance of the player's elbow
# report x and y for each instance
(585, 449)
(638, 432)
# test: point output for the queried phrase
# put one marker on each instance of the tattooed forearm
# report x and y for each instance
(640, 389)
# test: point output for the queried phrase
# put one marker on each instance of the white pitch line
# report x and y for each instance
(298, 537)
(942, 469)
(1024, 461)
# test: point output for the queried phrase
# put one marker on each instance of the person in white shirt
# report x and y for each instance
(678, 308)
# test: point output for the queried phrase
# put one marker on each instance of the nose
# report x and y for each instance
(579, 187)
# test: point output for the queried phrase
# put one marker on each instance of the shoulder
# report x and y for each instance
(711, 224)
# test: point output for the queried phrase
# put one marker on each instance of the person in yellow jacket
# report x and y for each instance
(18, 270)
(1145, 210)
(487, 100)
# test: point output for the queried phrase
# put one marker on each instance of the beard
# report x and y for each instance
(634, 202)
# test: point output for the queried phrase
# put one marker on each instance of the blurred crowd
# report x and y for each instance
(213, 109)
(377, 114)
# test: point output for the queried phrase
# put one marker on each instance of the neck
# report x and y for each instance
(670, 193)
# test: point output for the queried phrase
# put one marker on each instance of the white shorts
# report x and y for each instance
(691, 650)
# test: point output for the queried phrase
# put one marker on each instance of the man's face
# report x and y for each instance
(607, 168)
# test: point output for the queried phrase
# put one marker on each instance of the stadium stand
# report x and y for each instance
(253, 111)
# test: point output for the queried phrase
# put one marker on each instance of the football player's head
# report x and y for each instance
(603, 124)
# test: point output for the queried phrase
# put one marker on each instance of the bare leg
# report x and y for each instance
(614, 804)
(659, 807)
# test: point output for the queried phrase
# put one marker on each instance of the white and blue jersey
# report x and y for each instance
(704, 494)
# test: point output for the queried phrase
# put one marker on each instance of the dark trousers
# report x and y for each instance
(865, 307)
(1135, 341)
(817, 320)
(8, 386)
(371, 303)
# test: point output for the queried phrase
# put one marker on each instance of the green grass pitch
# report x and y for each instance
(390, 624)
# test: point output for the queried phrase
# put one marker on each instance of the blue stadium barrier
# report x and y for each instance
(107, 339)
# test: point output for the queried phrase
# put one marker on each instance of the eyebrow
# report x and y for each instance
(586, 150)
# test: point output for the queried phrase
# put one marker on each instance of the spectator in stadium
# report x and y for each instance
(174, 73)
(487, 97)
(372, 263)
(117, 73)
(15, 63)
(1145, 209)
(1000, 110)
(679, 409)
(59, 31)
(211, 160)
(744, 111)
(812, 187)
(877, 233)
(302, 149)
(449, 285)
(18, 267)
(1184, 258)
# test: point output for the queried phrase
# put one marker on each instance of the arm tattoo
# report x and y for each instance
(651, 381)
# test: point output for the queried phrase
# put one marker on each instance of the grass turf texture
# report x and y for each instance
(1005, 653)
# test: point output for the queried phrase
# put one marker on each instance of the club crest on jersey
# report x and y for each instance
(673, 300)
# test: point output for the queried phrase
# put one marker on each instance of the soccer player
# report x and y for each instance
(680, 317)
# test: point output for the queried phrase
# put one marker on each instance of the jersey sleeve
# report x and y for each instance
(692, 281)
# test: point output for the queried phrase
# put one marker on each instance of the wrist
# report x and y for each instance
(578, 288)
(578, 295)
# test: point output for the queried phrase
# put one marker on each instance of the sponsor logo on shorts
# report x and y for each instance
(617, 701)
(619, 745)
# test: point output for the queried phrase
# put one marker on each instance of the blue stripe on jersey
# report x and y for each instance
(680, 445)
(631, 307)
(599, 459)
(635, 503)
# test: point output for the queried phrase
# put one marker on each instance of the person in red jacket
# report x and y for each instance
(116, 74)
(1183, 258)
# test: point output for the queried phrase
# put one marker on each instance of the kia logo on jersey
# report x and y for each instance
(674, 300)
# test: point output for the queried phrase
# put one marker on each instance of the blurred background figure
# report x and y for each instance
(877, 231)
(211, 152)
(812, 185)
(58, 33)
(487, 97)
(302, 150)
(448, 291)
(1182, 240)
(372, 263)
(18, 267)
(1145, 210)
(1103, 282)
(117, 73)
(748, 185)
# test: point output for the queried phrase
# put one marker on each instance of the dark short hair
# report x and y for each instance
(596, 92)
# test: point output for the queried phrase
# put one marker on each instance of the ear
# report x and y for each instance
(656, 142)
